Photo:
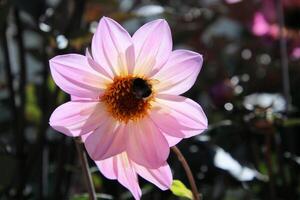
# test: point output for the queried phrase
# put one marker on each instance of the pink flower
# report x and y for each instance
(265, 21)
(126, 171)
(232, 1)
(125, 96)
(261, 27)
(296, 53)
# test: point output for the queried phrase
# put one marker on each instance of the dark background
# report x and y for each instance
(251, 148)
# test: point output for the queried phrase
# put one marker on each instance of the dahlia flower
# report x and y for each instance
(126, 96)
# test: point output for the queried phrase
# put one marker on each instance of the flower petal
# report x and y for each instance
(172, 141)
(161, 177)
(107, 167)
(146, 144)
(72, 73)
(172, 130)
(107, 140)
(75, 98)
(167, 123)
(76, 118)
(153, 45)
(97, 67)
(121, 168)
(180, 72)
(191, 120)
(111, 47)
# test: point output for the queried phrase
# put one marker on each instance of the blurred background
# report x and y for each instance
(248, 86)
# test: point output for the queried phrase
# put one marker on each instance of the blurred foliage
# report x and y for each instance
(80, 197)
(33, 112)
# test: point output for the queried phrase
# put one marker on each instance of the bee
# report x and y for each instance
(140, 88)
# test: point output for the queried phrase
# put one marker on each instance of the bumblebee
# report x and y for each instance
(141, 88)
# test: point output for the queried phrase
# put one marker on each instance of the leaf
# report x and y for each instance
(80, 197)
(33, 112)
(85, 196)
(291, 122)
(97, 180)
(51, 84)
(180, 190)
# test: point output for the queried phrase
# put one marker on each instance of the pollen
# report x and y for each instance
(121, 99)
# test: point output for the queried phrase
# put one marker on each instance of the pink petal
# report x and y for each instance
(107, 167)
(97, 67)
(76, 118)
(146, 144)
(153, 45)
(169, 124)
(72, 73)
(161, 177)
(107, 140)
(127, 175)
(180, 72)
(85, 136)
(75, 98)
(121, 168)
(172, 141)
(112, 46)
(191, 120)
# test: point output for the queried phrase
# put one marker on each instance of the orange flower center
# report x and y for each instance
(128, 98)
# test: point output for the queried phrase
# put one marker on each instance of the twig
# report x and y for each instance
(70, 155)
(285, 82)
(188, 172)
(268, 140)
(85, 168)
(43, 125)
(284, 57)
(21, 110)
(61, 157)
(9, 76)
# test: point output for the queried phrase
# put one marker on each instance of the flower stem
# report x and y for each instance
(188, 172)
(284, 56)
(85, 168)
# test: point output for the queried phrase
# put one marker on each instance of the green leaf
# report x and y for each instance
(51, 84)
(97, 180)
(80, 197)
(291, 122)
(85, 196)
(33, 112)
(263, 168)
(180, 190)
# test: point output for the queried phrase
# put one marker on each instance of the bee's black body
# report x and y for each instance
(141, 89)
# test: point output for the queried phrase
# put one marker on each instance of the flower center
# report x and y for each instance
(128, 98)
